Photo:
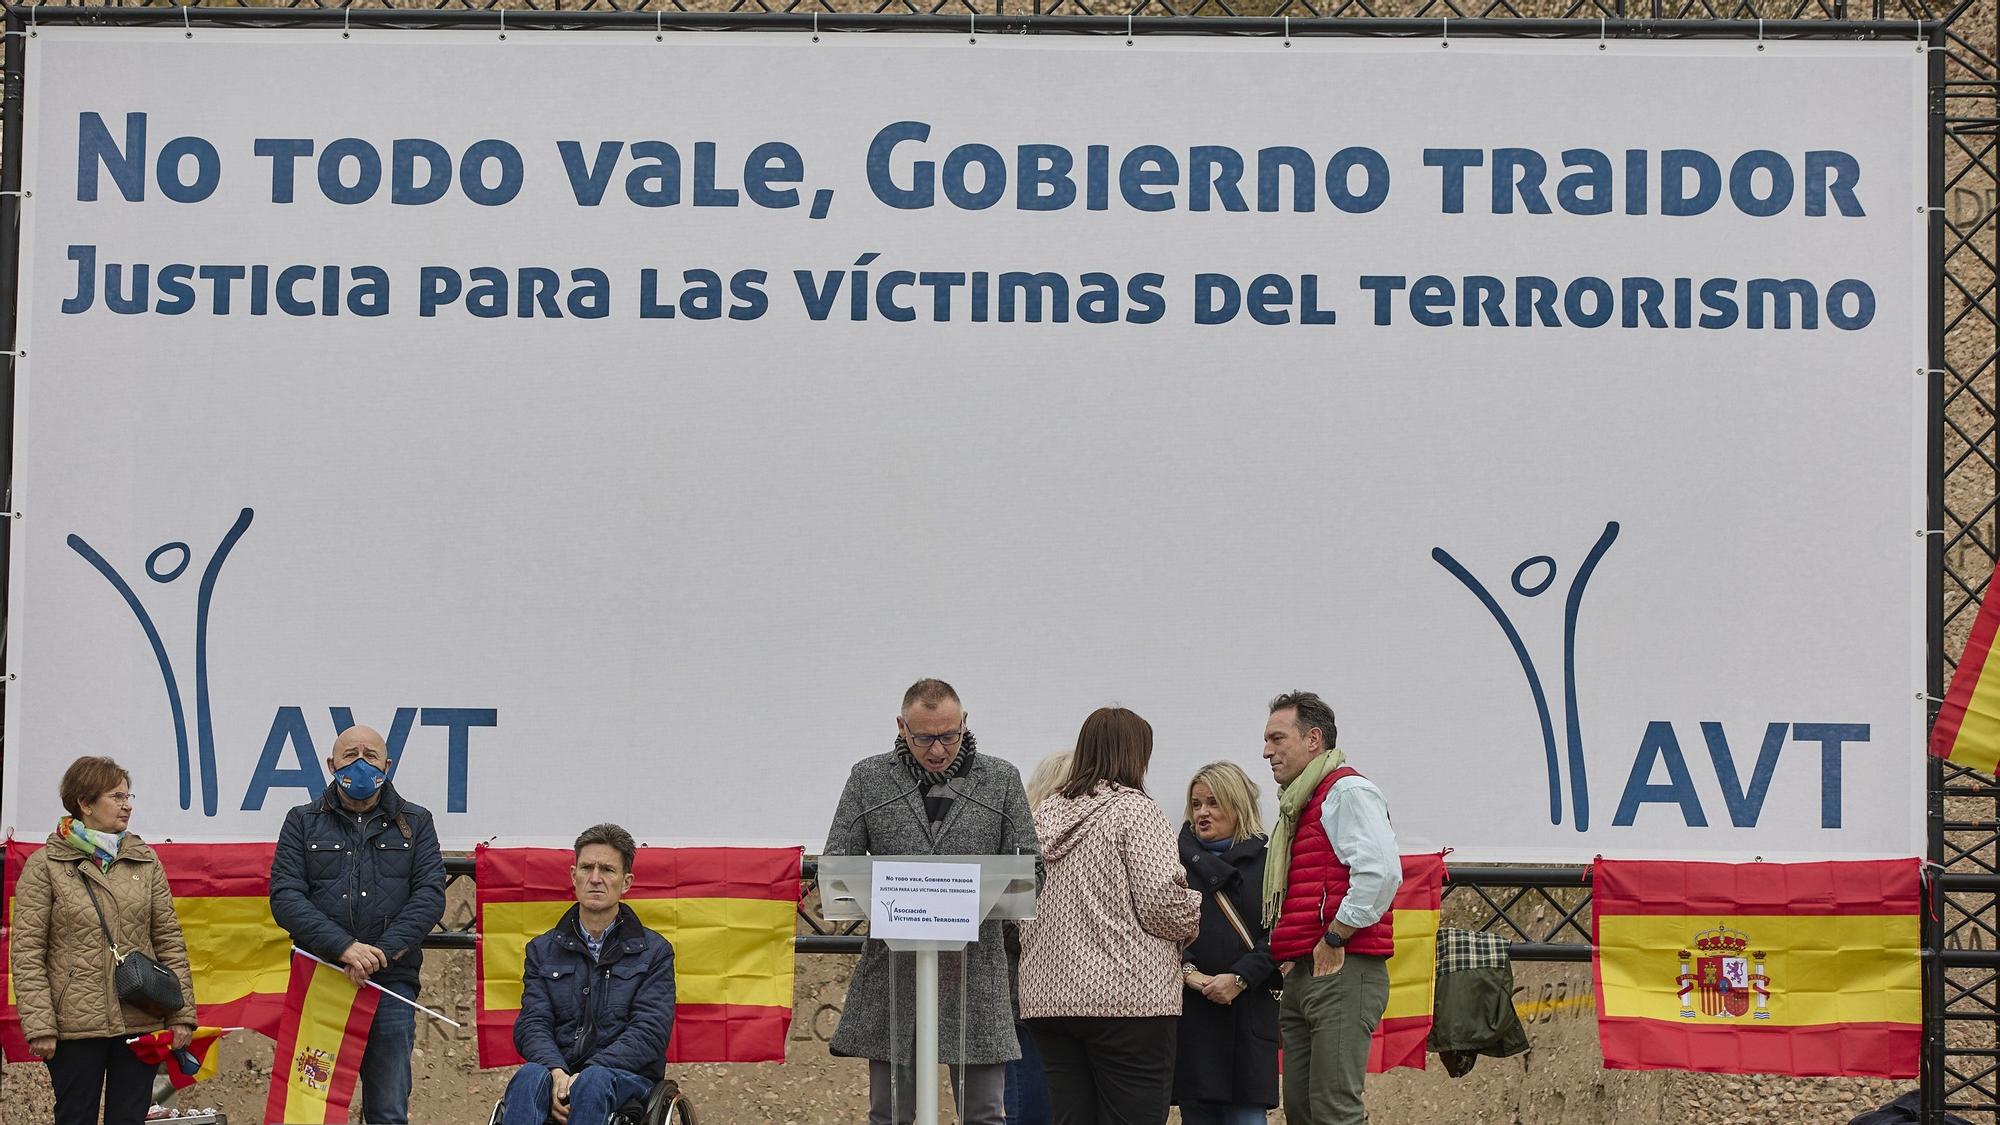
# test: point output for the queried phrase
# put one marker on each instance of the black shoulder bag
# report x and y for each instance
(139, 980)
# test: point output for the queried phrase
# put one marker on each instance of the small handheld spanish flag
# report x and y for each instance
(318, 1058)
(1967, 731)
(185, 1067)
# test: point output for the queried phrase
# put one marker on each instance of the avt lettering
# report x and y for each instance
(288, 726)
(1660, 745)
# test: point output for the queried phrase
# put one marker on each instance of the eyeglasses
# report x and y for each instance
(122, 798)
(926, 741)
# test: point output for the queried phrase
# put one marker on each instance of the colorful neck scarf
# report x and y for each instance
(101, 846)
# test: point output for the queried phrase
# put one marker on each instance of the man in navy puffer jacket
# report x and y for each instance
(357, 880)
(597, 998)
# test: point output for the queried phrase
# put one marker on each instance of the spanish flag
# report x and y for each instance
(730, 913)
(1759, 968)
(156, 1048)
(13, 1045)
(1406, 1022)
(318, 1057)
(1967, 731)
(239, 957)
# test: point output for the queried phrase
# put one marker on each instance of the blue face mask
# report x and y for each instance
(359, 779)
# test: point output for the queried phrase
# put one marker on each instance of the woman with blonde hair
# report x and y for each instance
(94, 895)
(1226, 1070)
(1100, 983)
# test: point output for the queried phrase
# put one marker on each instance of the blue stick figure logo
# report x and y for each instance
(1531, 579)
(167, 563)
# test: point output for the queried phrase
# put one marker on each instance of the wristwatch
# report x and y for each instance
(1333, 939)
(1187, 969)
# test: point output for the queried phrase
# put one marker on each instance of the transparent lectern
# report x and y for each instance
(1006, 893)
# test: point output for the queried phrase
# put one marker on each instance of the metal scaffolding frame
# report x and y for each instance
(1544, 911)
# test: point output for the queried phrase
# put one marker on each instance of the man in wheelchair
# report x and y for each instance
(597, 999)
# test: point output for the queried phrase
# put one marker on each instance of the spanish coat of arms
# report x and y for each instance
(1728, 983)
(314, 1067)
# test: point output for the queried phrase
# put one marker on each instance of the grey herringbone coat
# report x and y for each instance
(901, 828)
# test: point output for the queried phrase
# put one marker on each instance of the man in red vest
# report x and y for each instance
(1329, 877)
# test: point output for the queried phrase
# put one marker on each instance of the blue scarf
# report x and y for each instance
(1215, 847)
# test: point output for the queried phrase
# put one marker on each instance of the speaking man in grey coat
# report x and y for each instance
(934, 794)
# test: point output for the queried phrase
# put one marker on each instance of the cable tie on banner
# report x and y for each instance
(1927, 697)
(660, 25)
(972, 28)
(1603, 36)
(34, 20)
(187, 23)
(22, 354)
(1128, 29)
(1925, 208)
(1288, 31)
(503, 23)
(1447, 33)
(23, 193)
(815, 25)
(1928, 532)
(1760, 33)
(346, 18)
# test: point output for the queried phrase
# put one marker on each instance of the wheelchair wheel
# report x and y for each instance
(667, 1105)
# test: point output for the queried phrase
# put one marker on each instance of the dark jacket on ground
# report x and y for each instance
(617, 1011)
(377, 877)
(1228, 1053)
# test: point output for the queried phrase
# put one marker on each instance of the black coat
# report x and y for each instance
(1228, 1053)
(377, 877)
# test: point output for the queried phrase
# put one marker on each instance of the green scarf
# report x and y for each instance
(1292, 801)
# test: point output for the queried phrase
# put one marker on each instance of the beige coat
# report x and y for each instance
(62, 966)
(1114, 913)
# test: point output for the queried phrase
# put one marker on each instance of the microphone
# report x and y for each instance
(877, 806)
(951, 789)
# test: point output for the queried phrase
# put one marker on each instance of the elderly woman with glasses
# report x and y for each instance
(94, 868)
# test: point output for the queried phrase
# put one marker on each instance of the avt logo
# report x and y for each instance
(1659, 745)
(289, 729)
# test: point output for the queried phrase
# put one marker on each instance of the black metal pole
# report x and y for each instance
(805, 20)
(12, 123)
(1932, 1068)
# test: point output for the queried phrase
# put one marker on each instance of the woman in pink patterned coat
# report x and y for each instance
(1100, 982)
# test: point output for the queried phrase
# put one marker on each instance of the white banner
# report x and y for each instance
(621, 425)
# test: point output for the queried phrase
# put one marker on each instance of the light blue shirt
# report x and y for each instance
(1356, 819)
(594, 942)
